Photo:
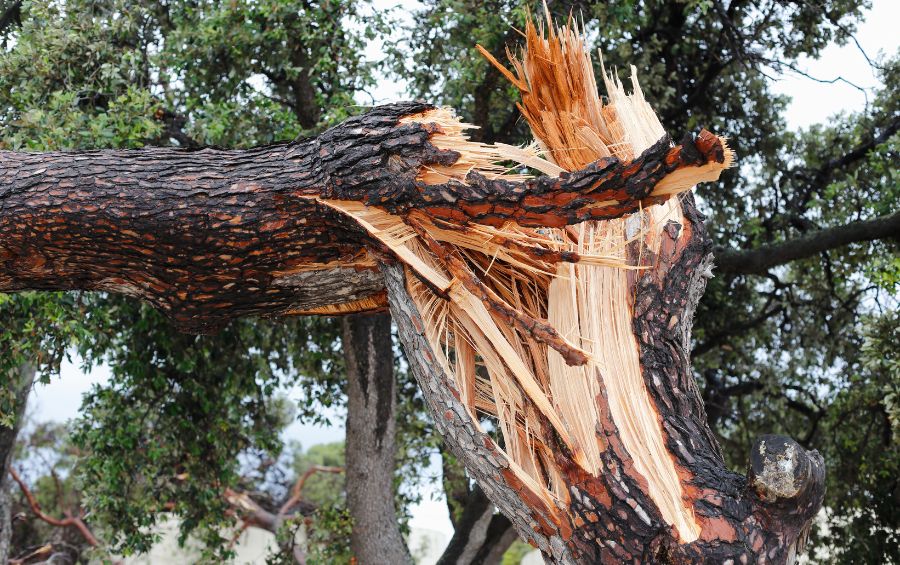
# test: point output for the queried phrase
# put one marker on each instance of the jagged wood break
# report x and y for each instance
(556, 309)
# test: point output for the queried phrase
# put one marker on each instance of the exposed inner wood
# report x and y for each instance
(534, 324)
(473, 156)
(561, 104)
(374, 303)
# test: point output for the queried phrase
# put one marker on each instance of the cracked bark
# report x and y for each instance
(207, 236)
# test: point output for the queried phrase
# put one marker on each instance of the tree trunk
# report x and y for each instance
(303, 227)
(370, 445)
(499, 538)
(480, 536)
(21, 382)
(763, 518)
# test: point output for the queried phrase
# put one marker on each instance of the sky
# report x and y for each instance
(812, 102)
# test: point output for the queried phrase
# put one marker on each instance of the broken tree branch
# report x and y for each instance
(210, 235)
(254, 514)
(606, 459)
(297, 490)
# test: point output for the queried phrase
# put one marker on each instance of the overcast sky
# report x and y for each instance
(812, 102)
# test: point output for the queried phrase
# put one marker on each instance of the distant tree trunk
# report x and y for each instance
(21, 381)
(481, 536)
(371, 443)
(500, 536)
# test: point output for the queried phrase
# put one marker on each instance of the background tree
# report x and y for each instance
(38, 329)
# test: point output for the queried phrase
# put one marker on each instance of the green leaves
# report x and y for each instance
(864, 421)
(170, 426)
(126, 122)
(39, 329)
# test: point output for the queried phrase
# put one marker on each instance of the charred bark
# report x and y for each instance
(371, 444)
(210, 235)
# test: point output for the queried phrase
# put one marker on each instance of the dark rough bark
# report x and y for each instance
(211, 235)
(21, 381)
(370, 444)
(760, 260)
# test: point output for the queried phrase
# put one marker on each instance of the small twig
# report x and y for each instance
(836, 23)
(775, 63)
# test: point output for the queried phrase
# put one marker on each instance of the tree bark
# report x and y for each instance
(371, 444)
(21, 381)
(210, 235)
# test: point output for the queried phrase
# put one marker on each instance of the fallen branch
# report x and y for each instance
(297, 490)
